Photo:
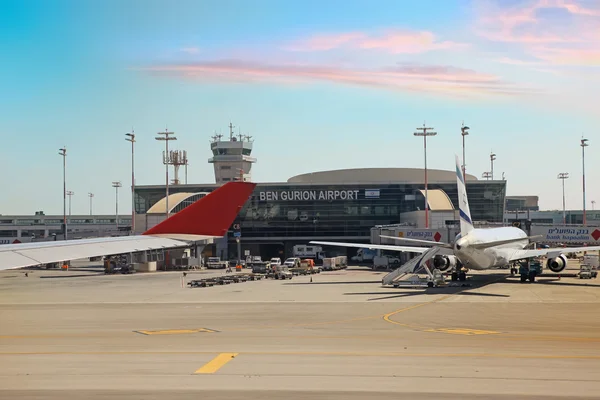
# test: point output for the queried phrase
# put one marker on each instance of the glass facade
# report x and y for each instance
(293, 211)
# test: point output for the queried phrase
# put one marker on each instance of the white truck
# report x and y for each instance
(364, 255)
(591, 259)
(292, 262)
(308, 251)
(386, 262)
(275, 261)
(282, 272)
(215, 263)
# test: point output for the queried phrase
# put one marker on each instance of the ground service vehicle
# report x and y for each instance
(364, 255)
(261, 268)
(275, 261)
(292, 262)
(252, 261)
(308, 251)
(216, 263)
(587, 271)
(282, 272)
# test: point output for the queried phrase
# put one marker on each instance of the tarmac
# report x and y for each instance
(82, 334)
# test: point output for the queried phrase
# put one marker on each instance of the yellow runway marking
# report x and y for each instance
(175, 331)
(216, 363)
(223, 358)
(387, 317)
(462, 331)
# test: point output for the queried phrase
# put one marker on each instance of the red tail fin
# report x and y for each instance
(212, 215)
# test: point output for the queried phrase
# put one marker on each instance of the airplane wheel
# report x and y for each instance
(532, 276)
(454, 276)
(429, 284)
(462, 277)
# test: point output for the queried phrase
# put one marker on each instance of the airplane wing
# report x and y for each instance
(209, 217)
(552, 252)
(408, 249)
(430, 242)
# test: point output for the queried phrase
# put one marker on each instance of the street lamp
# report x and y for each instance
(166, 138)
(117, 185)
(63, 153)
(425, 132)
(584, 144)
(463, 132)
(563, 176)
(91, 195)
(492, 158)
(70, 193)
(131, 138)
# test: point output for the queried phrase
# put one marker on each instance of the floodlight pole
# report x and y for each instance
(463, 132)
(70, 194)
(166, 138)
(562, 176)
(424, 131)
(492, 158)
(117, 185)
(584, 144)
(131, 138)
(91, 196)
(63, 153)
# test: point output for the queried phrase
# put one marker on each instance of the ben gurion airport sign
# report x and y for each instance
(314, 195)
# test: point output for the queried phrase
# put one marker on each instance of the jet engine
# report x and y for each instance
(557, 264)
(444, 263)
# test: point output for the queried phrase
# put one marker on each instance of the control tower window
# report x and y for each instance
(219, 152)
(246, 152)
(225, 166)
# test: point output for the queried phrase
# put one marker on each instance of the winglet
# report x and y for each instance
(212, 215)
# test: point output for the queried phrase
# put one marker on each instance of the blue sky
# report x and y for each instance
(319, 85)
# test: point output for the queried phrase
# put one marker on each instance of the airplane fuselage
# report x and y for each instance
(491, 257)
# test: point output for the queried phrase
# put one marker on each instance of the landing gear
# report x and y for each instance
(459, 274)
(529, 270)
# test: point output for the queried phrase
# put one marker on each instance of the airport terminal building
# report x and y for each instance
(334, 205)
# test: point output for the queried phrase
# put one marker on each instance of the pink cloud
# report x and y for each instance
(413, 77)
(391, 41)
(325, 41)
(548, 30)
(570, 56)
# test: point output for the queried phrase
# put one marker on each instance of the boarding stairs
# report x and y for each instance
(411, 266)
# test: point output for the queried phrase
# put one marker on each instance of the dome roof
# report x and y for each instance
(374, 175)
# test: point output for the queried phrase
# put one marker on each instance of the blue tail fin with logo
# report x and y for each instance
(466, 223)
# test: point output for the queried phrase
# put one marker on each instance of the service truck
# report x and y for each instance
(215, 263)
(386, 262)
(252, 261)
(292, 262)
(281, 272)
(591, 259)
(364, 255)
(308, 251)
(275, 261)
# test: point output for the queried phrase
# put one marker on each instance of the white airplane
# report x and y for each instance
(209, 217)
(473, 248)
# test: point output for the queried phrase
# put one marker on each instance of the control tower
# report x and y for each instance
(231, 158)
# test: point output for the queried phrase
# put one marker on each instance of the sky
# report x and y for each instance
(318, 84)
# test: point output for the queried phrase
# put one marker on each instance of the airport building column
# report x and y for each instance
(221, 248)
